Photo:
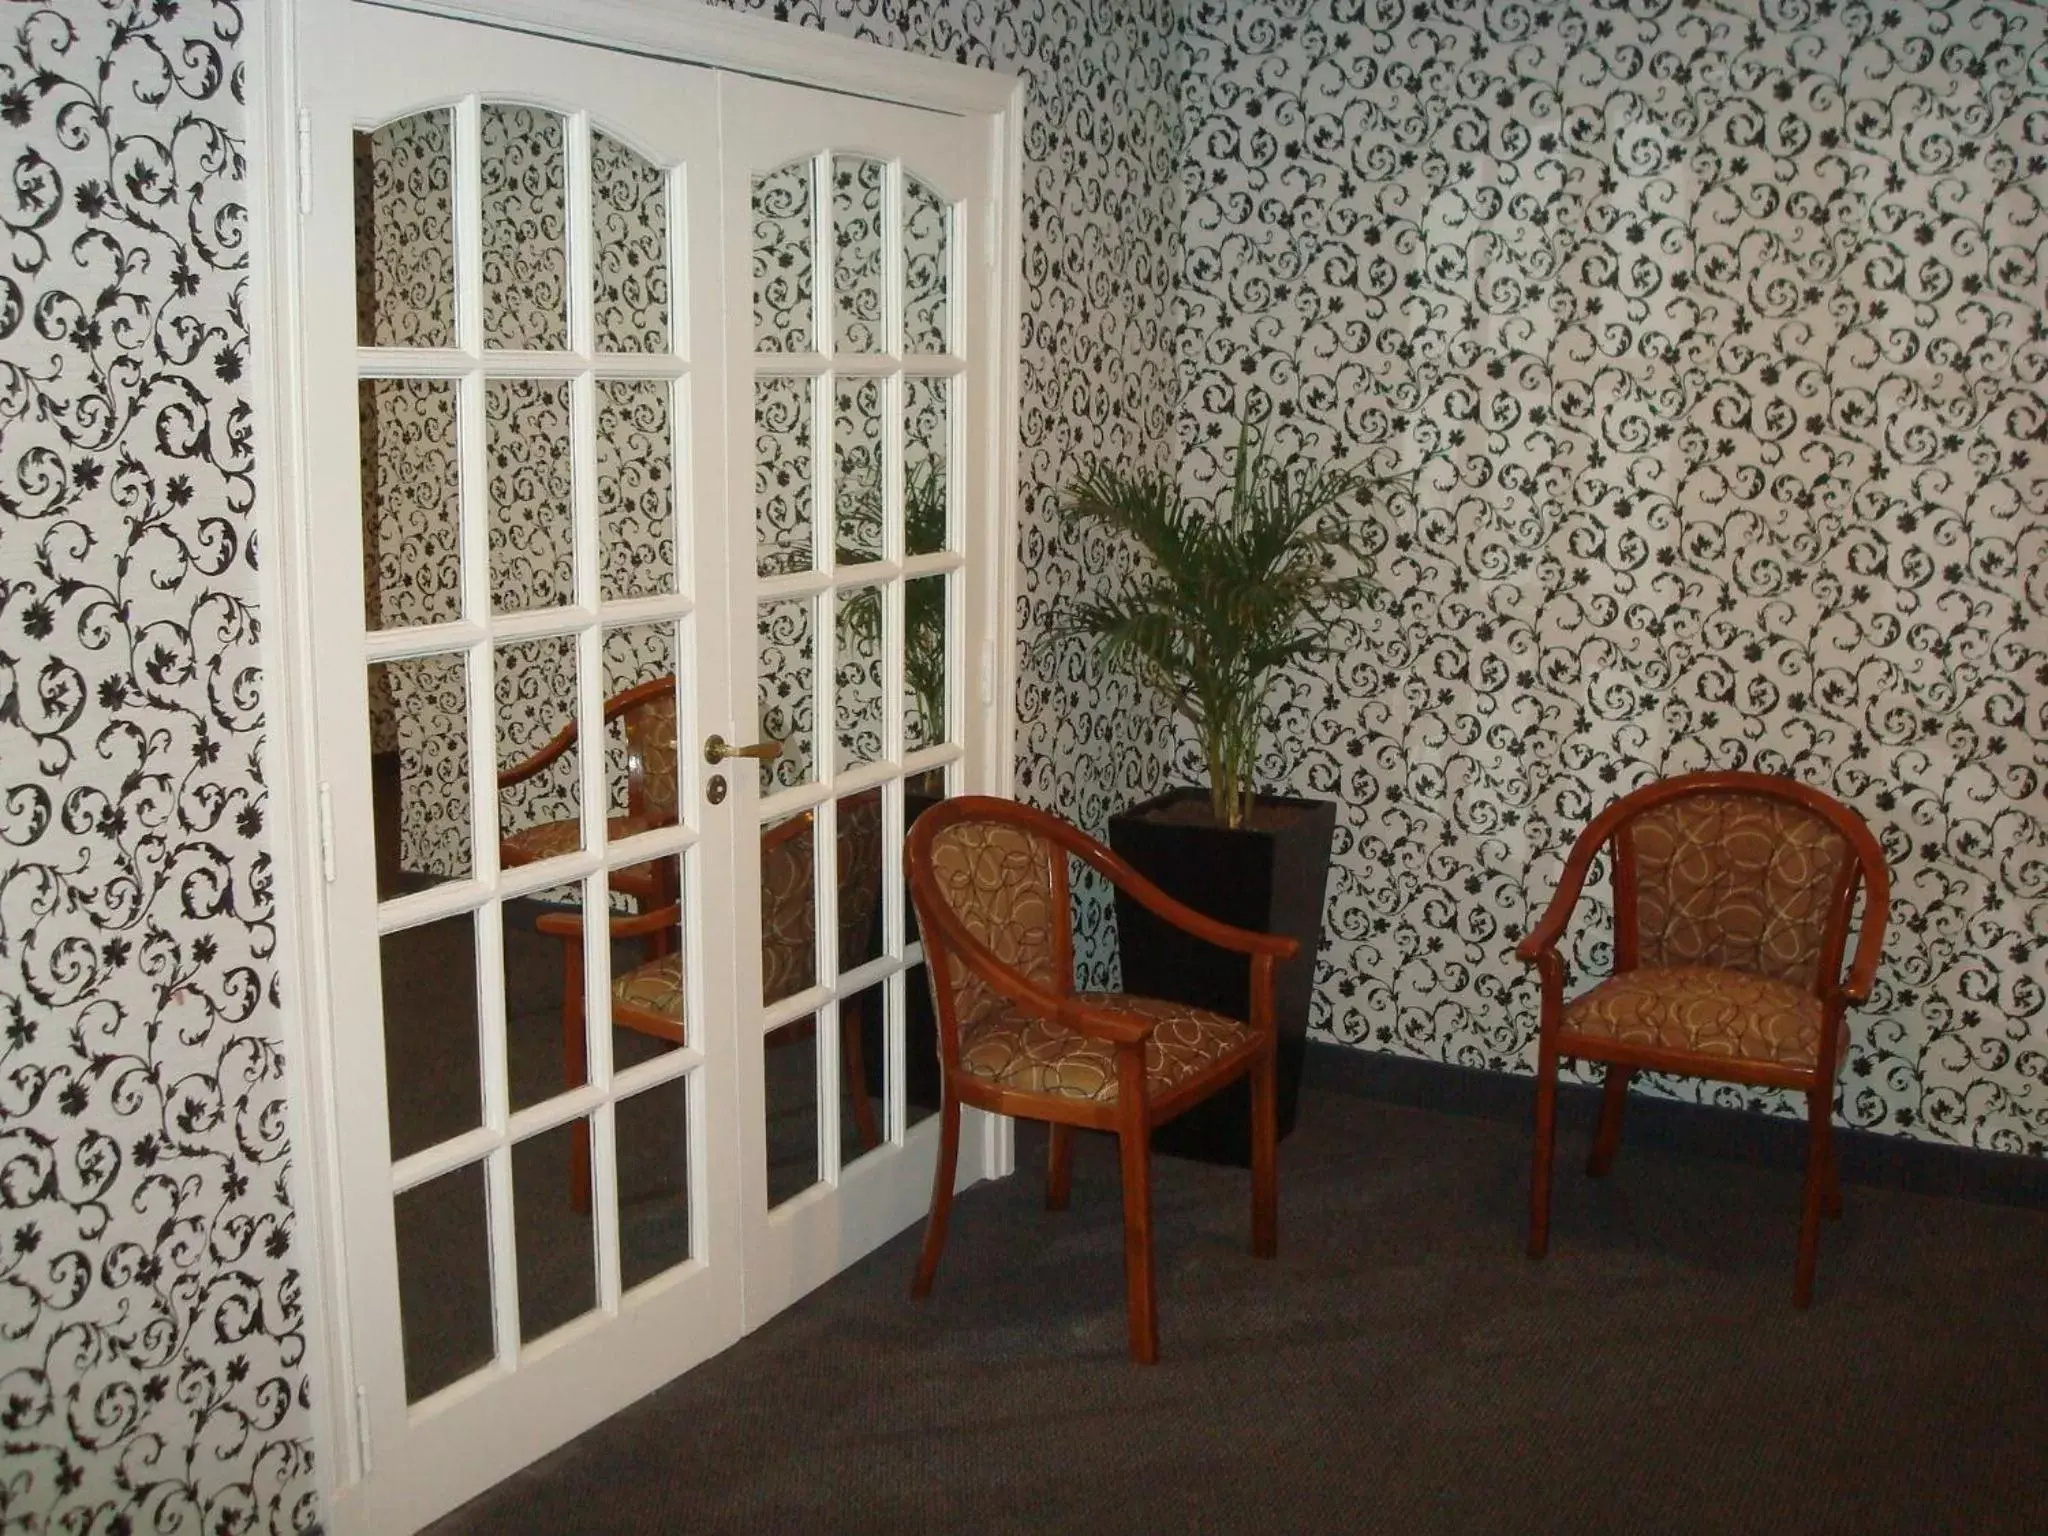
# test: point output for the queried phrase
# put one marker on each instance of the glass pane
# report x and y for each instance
(444, 1280)
(789, 960)
(921, 791)
(532, 534)
(860, 878)
(539, 794)
(863, 1058)
(553, 1237)
(629, 211)
(783, 475)
(419, 771)
(640, 746)
(924, 662)
(649, 987)
(405, 233)
(927, 444)
(783, 246)
(636, 508)
(857, 469)
(542, 1057)
(432, 1060)
(653, 1140)
(787, 683)
(789, 1067)
(920, 1048)
(859, 673)
(525, 271)
(927, 268)
(857, 254)
(412, 554)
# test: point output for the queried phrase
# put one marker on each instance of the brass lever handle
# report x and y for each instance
(717, 750)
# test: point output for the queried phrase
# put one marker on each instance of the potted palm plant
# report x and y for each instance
(1219, 602)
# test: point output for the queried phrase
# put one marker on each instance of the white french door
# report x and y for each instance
(643, 404)
(855, 404)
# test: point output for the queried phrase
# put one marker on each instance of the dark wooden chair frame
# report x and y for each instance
(949, 944)
(1865, 864)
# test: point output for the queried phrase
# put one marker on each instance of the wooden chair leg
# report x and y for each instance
(1613, 1100)
(1265, 1158)
(942, 1193)
(1059, 1166)
(1141, 1294)
(853, 1066)
(1820, 1114)
(1546, 1141)
(1832, 1199)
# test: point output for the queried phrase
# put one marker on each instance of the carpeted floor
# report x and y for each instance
(1400, 1367)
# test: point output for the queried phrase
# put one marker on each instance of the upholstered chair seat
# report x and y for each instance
(1009, 1047)
(989, 881)
(1700, 1010)
(1734, 898)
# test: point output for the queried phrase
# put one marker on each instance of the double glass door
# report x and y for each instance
(647, 422)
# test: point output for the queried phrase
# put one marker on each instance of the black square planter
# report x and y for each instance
(1270, 879)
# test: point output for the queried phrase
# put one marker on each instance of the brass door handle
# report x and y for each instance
(717, 750)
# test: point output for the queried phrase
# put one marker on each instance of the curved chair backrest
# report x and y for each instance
(788, 907)
(1740, 871)
(996, 873)
(648, 713)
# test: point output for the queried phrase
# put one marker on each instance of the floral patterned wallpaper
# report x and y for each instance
(1715, 337)
(152, 1342)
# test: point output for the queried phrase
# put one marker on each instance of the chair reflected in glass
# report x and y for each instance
(651, 997)
(1733, 900)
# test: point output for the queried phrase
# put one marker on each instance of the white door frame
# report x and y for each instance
(300, 823)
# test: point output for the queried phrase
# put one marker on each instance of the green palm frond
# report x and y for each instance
(1222, 601)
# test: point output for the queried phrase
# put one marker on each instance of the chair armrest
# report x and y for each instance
(1870, 943)
(527, 767)
(1543, 938)
(1110, 1024)
(569, 925)
(1184, 917)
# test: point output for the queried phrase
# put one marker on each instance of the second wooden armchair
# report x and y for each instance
(989, 880)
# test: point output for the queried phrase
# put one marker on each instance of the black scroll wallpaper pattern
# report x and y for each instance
(152, 1343)
(1715, 336)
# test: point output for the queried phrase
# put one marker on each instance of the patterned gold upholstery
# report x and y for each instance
(1704, 1010)
(651, 760)
(1012, 1049)
(656, 987)
(998, 878)
(551, 838)
(1735, 881)
(788, 911)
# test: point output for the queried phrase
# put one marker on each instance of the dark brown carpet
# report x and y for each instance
(1401, 1367)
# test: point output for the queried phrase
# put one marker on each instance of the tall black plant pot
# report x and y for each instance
(1269, 876)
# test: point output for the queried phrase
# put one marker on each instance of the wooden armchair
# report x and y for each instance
(647, 713)
(1733, 894)
(989, 881)
(649, 998)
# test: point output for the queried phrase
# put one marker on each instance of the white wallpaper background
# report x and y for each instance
(1716, 339)
(1585, 596)
(152, 1338)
